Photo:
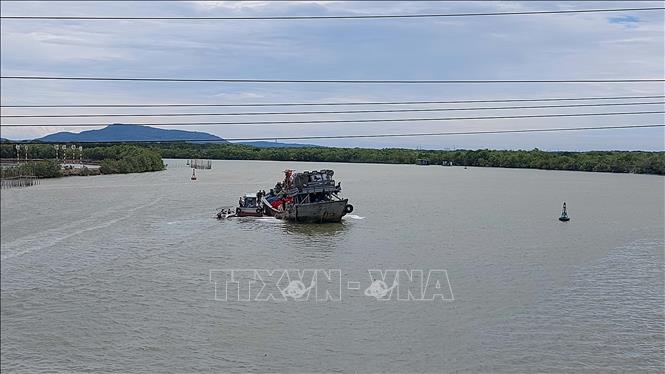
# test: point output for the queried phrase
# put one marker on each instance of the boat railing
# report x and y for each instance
(314, 189)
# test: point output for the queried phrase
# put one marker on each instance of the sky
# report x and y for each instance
(569, 46)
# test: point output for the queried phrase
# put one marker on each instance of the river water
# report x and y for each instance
(113, 273)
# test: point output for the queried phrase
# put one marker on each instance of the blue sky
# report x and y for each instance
(574, 46)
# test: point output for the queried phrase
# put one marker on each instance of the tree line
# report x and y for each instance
(148, 157)
(39, 169)
(598, 161)
(122, 159)
(115, 159)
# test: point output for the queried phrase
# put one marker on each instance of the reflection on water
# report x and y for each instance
(315, 231)
(314, 241)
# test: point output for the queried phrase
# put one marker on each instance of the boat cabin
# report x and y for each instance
(248, 201)
(249, 206)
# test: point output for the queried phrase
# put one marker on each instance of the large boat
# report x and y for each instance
(249, 206)
(309, 196)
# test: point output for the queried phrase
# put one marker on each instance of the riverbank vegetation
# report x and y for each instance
(598, 161)
(122, 159)
(115, 159)
(147, 157)
(39, 169)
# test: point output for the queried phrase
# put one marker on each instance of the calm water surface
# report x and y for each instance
(111, 273)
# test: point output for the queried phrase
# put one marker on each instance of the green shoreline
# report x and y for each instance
(638, 162)
(121, 159)
(116, 159)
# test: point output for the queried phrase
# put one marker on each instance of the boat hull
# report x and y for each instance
(249, 212)
(320, 212)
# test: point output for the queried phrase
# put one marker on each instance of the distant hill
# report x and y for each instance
(123, 132)
(265, 144)
(119, 132)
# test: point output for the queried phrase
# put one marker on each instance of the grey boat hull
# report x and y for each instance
(327, 211)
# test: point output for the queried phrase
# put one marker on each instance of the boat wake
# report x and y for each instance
(269, 220)
(44, 236)
(352, 216)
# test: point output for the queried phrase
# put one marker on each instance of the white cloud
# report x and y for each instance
(547, 47)
(243, 5)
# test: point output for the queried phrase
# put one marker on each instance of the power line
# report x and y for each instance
(450, 133)
(321, 112)
(346, 121)
(315, 137)
(339, 81)
(332, 103)
(374, 16)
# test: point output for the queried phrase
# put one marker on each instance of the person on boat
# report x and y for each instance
(241, 203)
